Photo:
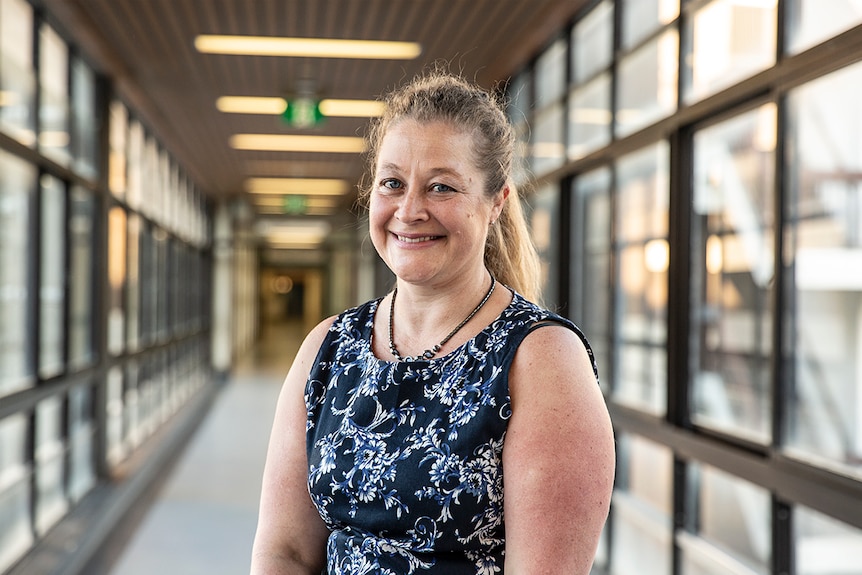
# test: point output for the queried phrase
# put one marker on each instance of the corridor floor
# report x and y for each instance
(203, 519)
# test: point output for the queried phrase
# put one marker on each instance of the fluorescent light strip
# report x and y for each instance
(298, 143)
(307, 47)
(275, 106)
(303, 186)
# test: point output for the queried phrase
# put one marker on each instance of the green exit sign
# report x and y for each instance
(294, 204)
(303, 112)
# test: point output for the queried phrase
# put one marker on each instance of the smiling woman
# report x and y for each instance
(402, 439)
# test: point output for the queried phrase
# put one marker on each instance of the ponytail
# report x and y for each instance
(510, 254)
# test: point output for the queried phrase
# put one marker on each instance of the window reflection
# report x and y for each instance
(17, 181)
(733, 227)
(729, 40)
(133, 289)
(86, 124)
(591, 264)
(589, 117)
(647, 84)
(824, 545)
(49, 457)
(824, 236)
(54, 96)
(809, 24)
(81, 249)
(640, 18)
(17, 72)
(52, 291)
(117, 142)
(544, 228)
(551, 74)
(642, 508)
(548, 150)
(117, 235)
(16, 535)
(641, 252)
(82, 427)
(729, 527)
(593, 42)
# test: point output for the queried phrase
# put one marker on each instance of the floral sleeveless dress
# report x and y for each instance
(405, 458)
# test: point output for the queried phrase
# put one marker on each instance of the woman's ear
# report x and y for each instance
(499, 202)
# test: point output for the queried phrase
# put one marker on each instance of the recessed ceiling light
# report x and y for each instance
(304, 186)
(298, 143)
(307, 47)
(275, 106)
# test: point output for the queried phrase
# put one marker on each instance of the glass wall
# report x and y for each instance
(52, 293)
(641, 256)
(705, 231)
(104, 301)
(17, 72)
(824, 270)
(734, 273)
(17, 188)
(591, 249)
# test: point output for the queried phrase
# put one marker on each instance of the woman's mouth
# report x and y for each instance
(415, 240)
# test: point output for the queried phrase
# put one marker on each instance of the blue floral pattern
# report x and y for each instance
(405, 458)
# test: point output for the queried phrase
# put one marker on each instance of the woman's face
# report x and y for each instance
(428, 214)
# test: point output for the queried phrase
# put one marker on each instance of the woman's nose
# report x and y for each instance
(411, 207)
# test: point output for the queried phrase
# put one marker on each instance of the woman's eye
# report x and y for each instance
(441, 188)
(391, 184)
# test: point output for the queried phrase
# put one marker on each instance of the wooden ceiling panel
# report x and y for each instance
(149, 46)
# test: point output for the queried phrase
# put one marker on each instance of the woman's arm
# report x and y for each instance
(291, 536)
(558, 459)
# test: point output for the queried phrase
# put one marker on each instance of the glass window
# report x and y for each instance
(641, 253)
(548, 150)
(641, 18)
(824, 255)
(16, 534)
(82, 219)
(17, 182)
(544, 226)
(809, 24)
(117, 235)
(729, 530)
(591, 260)
(115, 427)
(825, 545)
(734, 263)
(51, 503)
(642, 510)
(647, 87)
(589, 117)
(85, 119)
(54, 91)
(118, 138)
(593, 42)
(82, 473)
(135, 166)
(17, 73)
(728, 40)
(518, 93)
(551, 74)
(52, 265)
(133, 289)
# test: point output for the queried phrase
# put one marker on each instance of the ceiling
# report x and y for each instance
(147, 46)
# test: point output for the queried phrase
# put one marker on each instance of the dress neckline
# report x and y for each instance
(372, 312)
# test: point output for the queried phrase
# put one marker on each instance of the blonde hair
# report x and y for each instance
(439, 96)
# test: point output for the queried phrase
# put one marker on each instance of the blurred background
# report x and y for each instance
(178, 187)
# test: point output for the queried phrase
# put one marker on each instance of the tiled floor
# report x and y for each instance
(203, 519)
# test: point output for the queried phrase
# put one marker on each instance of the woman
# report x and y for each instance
(403, 438)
